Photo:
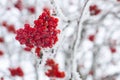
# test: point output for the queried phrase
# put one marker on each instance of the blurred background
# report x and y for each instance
(97, 54)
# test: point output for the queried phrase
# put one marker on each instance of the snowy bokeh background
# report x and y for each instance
(97, 59)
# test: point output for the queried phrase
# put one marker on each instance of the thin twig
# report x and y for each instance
(77, 40)
(58, 11)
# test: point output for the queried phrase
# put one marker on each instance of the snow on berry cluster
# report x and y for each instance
(42, 35)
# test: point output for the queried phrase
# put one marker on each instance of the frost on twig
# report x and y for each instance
(58, 10)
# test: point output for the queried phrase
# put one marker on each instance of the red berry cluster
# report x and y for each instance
(42, 35)
(54, 71)
(16, 71)
(94, 10)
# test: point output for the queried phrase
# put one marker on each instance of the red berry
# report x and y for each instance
(31, 9)
(113, 49)
(1, 53)
(118, 0)
(1, 39)
(4, 23)
(11, 28)
(19, 4)
(19, 72)
(1, 78)
(27, 49)
(91, 38)
(37, 51)
(91, 72)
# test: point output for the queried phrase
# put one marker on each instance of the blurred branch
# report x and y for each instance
(76, 42)
(89, 21)
(112, 76)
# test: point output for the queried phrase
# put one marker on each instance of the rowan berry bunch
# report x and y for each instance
(94, 10)
(54, 71)
(42, 35)
(16, 71)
